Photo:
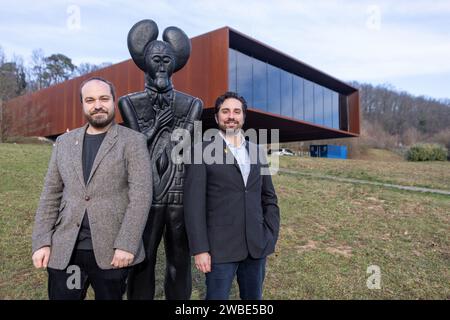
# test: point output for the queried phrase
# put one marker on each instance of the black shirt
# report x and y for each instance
(91, 145)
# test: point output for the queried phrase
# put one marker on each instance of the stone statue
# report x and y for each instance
(156, 112)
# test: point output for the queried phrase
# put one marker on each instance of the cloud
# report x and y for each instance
(351, 40)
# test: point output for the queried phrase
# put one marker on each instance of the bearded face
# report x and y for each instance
(98, 103)
(230, 117)
(160, 65)
(99, 117)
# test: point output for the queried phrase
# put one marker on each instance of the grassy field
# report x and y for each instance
(330, 232)
(433, 174)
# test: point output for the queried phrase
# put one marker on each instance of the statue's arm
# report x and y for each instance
(128, 115)
(195, 114)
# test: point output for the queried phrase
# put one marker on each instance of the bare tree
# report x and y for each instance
(36, 71)
(12, 77)
(85, 68)
(2, 130)
(401, 114)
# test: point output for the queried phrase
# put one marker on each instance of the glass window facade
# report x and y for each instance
(274, 90)
(328, 107)
(232, 70)
(309, 100)
(260, 84)
(297, 97)
(318, 105)
(335, 109)
(286, 94)
(244, 77)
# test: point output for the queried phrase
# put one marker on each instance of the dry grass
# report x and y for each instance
(434, 174)
(330, 232)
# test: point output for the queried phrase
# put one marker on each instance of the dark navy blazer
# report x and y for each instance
(225, 217)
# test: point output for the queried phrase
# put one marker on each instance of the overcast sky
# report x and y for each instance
(404, 43)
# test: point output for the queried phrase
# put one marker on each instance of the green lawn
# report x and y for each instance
(330, 232)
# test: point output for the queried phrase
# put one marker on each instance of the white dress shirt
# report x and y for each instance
(241, 155)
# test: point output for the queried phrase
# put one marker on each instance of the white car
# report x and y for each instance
(281, 152)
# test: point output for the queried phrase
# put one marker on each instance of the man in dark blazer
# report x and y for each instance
(231, 212)
(94, 204)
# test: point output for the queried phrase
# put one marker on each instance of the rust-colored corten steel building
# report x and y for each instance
(282, 92)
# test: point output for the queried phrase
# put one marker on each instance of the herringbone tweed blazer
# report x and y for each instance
(117, 197)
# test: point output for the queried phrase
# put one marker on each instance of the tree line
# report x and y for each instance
(17, 78)
(399, 111)
(393, 118)
(390, 118)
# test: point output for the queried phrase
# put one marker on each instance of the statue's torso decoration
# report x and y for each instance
(167, 176)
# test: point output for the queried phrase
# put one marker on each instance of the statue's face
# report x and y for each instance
(160, 65)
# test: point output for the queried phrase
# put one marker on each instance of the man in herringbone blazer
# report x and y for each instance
(94, 204)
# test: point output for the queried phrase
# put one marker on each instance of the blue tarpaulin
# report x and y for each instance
(328, 151)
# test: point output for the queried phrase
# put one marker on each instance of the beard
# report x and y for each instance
(161, 83)
(230, 131)
(100, 121)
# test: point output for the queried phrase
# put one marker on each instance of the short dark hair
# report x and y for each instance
(111, 86)
(228, 95)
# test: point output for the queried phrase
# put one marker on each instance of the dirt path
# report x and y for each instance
(388, 185)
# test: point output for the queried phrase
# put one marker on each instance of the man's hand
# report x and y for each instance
(203, 262)
(40, 257)
(122, 259)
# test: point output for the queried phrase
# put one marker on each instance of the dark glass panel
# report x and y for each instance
(297, 97)
(286, 94)
(274, 100)
(259, 85)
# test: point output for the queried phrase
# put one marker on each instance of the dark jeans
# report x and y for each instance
(250, 277)
(73, 282)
